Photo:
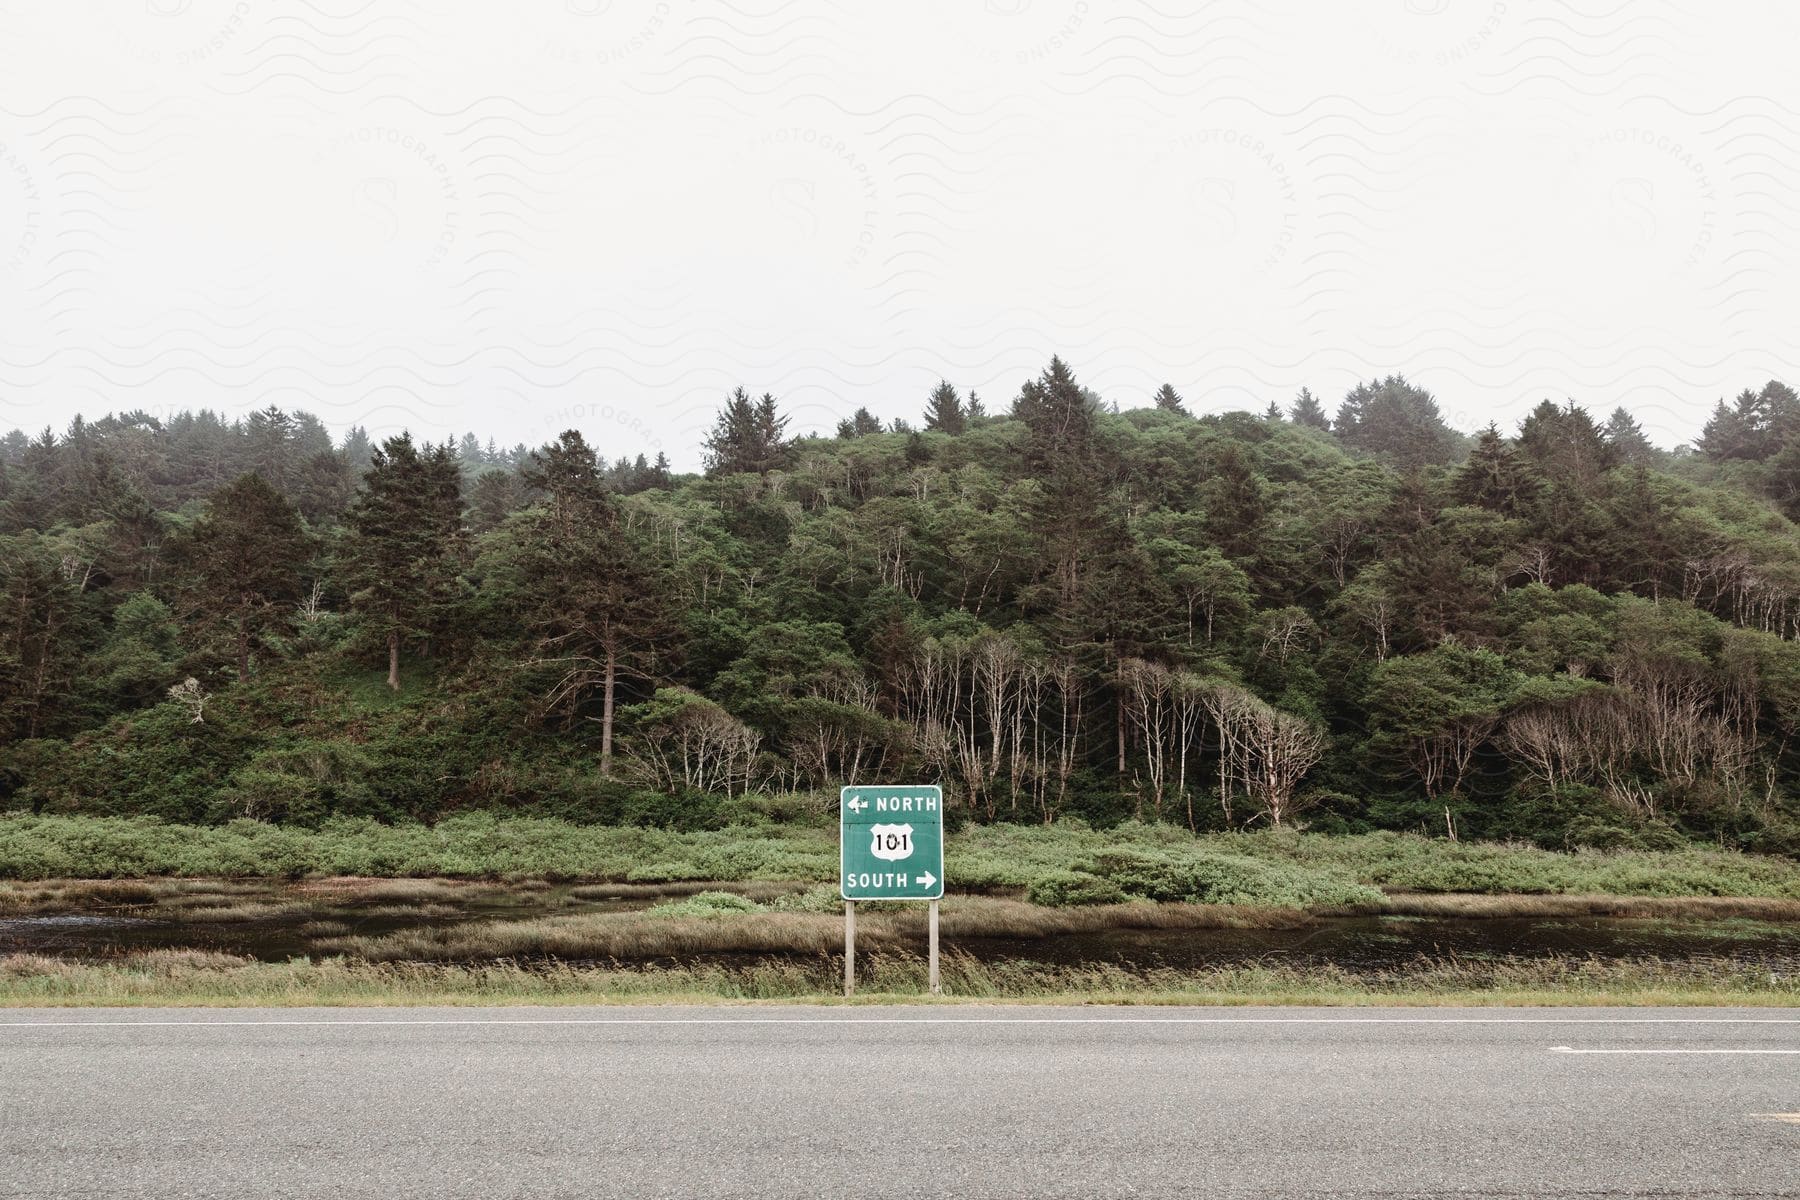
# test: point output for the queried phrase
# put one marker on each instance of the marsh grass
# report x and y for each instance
(721, 926)
(465, 922)
(601, 937)
(1730, 929)
(758, 890)
(63, 895)
(249, 911)
(187, 977)
(413, 912)
(67, 895)
(343, 889)
(1688, 908)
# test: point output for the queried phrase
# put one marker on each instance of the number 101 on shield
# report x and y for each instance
(891, 842)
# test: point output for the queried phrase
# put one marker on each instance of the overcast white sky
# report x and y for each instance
(516, 218)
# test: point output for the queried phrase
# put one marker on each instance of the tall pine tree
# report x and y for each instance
(1494, 477)
(1626, 438)
(405, 528)
(246, 553)
(1307, 410)
(1393, 418)
(861, 423)
(1062, 453)
(944, 410)
(592, 599)
(1565, 443)
(749, 437)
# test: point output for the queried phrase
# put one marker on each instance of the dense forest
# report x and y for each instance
(1335, 620)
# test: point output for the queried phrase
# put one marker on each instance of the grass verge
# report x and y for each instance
(199, 979)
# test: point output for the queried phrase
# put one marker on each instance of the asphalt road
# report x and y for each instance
(896, 1103)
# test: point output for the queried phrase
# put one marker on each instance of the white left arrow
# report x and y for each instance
(856, 806)
(928, 879)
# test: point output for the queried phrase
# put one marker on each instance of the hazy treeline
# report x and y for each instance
(1352, 618)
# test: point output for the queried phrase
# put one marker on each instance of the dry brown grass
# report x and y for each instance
(626, 936)
(357, 889)
(214, 901)
(248, 911)
(988, 916)
(1691, 908)
(629, 936)
(600, 936)
(188, 977)
(72, 895)
(181, 902)
(422, 912)
(284, 906)
(162, 963)
(758, 890)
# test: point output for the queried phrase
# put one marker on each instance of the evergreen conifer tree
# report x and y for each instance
(1307, 410)
(944, 410)
(404, 529)
(247, 551)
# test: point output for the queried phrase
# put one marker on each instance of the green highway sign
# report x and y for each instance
(891, 843)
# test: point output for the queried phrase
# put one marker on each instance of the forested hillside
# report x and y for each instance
(1339, 620)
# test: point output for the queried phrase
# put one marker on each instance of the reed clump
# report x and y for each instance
(341, 889)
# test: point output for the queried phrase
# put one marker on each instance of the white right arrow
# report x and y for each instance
(928, 879)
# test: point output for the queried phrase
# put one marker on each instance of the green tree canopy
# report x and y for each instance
(247, 552)
(399, 560)
(1397, 420)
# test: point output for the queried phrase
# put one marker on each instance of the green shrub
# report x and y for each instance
(1227, 879)
(706, 904)
(824, 898)
(1066, 863)
(1062, 889)
(667, 872)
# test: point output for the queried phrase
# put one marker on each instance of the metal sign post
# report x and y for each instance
(849, 948)
(931, 940)
(890, 847)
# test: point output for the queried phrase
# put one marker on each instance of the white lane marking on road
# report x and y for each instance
(937, 1021)
(1664, 1050)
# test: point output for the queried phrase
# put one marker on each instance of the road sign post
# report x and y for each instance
(931, 940)
(849, 948)
(890, 847)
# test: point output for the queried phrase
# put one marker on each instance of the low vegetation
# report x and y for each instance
(367, 939)
(1712, 909)
(1066, 864)
(722, 923)
(186, 977)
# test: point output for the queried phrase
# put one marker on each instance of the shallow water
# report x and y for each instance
(275, 922)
